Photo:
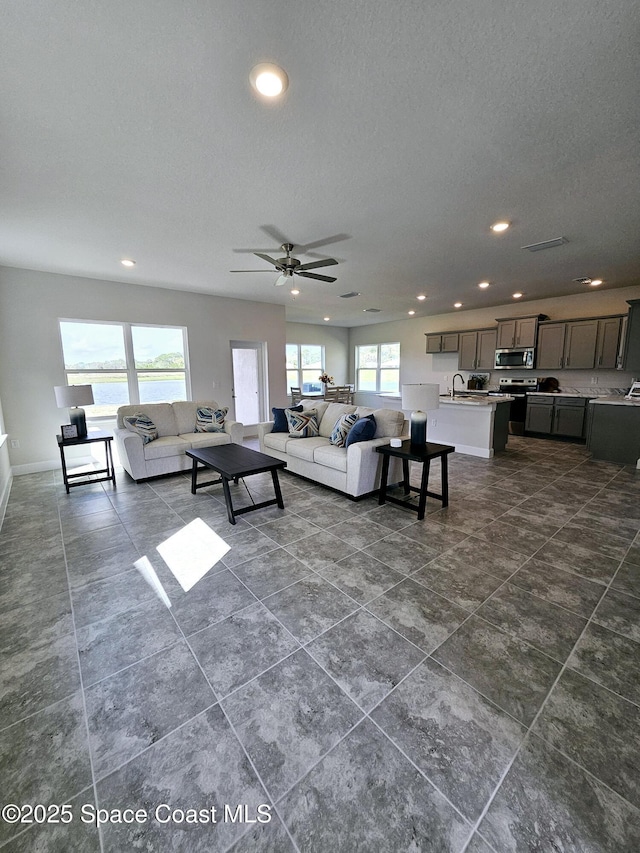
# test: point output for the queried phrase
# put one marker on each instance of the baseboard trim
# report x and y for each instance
(4, 498)
(48, 465)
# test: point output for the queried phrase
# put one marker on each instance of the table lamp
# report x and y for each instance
(73, 397)
(420, 399)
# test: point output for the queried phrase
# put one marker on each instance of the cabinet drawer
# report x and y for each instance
(540, 400)
(571, 401)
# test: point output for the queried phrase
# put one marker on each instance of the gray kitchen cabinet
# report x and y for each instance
(517, 332)
(608, 342)
(556, 415)
(632, 339)
(550, 354)
(447, 342)
(570, 345)
(477, 350)
(614, 433)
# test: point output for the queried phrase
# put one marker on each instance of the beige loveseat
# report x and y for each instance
(176, 423)
(354, 470)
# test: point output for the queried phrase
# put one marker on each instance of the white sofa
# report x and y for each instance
(354, 470)
(176, 423)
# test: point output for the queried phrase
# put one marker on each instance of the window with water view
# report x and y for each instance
(305, 363)
(125, 363)
(378, 367)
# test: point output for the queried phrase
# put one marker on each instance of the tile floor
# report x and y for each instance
(374, 683)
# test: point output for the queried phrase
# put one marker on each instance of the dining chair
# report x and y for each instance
(331, 394)
(296, 395)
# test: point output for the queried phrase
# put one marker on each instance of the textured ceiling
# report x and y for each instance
(129, 130)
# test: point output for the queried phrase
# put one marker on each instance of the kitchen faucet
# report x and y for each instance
(453, 383)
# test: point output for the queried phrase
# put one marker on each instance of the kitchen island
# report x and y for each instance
(613, 430)
(475, 424)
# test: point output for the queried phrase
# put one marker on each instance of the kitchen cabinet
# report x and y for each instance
(556, 415)
(614, 432)
(477, 350)
(447, 342)
(632, 339)
(569, 345)
(517, 332)
(608, 342)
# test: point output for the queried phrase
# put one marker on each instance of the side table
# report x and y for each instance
(410, 453)
(76, 479)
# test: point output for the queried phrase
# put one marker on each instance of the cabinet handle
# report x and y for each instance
(599, 361)
(567, 362)
(560, 362)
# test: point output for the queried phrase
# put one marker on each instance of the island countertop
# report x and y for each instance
(485, 401)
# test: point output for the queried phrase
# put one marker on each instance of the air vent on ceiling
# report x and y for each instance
(349, 295)
(372, 310)
(546, 244)
(582, 280)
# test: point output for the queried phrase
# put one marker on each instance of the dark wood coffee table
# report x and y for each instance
(233, 461)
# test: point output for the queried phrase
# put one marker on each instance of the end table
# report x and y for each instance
(410, 453)
(75, 479)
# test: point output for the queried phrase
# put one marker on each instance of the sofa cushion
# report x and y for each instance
(206, 439)
(331, 456)
(319, 405)
(143, 426)
(364, 429)
(277, 441)
(209, 419)
(302, 424)
(331, 415)
(306, 448)
(280, 423)
(185, 413)
(160, 413)
(341, 429)
(389, 421)
(168, 445)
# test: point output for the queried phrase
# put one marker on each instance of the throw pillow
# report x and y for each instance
(280, 419)
(341, 429)
(363, 430)
(143, 426)
(210, 420)
(303, 424)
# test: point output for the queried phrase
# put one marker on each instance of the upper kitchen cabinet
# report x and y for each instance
(447, 342)
(569, 345)
(477, 350)
(608, 342)
(518, 331)
(632, 340)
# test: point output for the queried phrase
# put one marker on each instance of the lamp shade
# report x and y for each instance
(421, 397)
(68, 396)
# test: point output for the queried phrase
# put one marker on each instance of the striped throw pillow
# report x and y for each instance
(341, 429)
(210, 420)
(302, 424)
(143, 426)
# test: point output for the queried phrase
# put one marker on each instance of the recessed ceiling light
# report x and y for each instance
(127, 262)
(326, 319)
(411, 312)
(457, 304)
(517, 295)
(484, 285)
(595, 282)
(421, 297)
(295, 291)
(268, 79)
(497, 227)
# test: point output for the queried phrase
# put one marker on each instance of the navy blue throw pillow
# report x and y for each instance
(280, 423)
(363, 430)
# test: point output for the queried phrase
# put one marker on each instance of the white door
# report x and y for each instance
(247, 361)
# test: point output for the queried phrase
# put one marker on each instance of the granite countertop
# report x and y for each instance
(460, 400)
(616, 401)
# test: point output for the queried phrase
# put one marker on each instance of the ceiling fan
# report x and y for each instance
(290, 266)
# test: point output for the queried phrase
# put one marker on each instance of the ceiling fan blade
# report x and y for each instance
(315, 275)
(267, 258)
(337, 238)
(327, 262)
(269, 271)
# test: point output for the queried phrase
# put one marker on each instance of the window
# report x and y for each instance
(305, 363)
(378, 368)
(125, 363)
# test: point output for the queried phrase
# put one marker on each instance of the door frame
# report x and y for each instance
(263, 395)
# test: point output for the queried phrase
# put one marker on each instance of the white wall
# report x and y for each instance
(31, 356)
(333, 339)
(5, 468)
(418, 366)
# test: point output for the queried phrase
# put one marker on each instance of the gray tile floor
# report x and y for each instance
(371, 682)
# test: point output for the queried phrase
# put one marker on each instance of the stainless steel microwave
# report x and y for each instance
(516, 358)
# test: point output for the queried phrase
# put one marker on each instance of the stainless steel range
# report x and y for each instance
(517, 387)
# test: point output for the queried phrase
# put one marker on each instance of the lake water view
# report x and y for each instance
(109, 396)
